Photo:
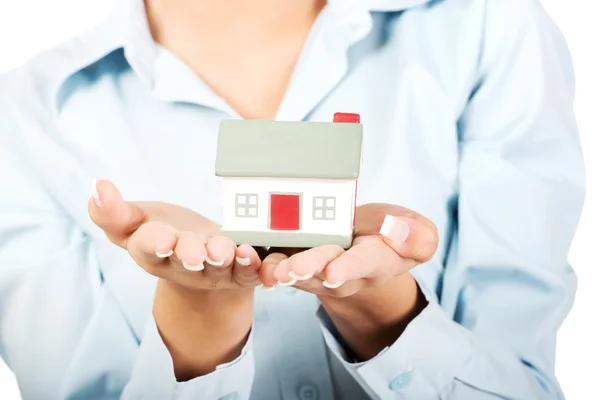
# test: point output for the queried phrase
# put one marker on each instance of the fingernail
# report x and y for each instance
(164, 255)
(289, 283)
(245, 261)
(293, 275)
(333, 285)
(268, 288)
(95, 195)
(394, 229)
(194, 268)
(215, 263)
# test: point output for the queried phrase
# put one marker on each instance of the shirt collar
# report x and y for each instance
(127, 28)
(139, 45)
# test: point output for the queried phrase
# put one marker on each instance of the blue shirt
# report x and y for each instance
(467, 111)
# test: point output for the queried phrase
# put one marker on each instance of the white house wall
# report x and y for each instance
(342, 190)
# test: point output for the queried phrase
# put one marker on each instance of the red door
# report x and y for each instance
(285, 212)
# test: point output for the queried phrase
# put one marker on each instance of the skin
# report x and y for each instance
(212, 303)
(197, 31)
(378, 298)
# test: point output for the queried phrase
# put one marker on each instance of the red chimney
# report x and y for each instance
(346, 117)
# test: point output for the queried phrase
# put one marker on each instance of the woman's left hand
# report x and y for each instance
(389, 240)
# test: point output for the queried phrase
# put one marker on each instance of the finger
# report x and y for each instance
(246, 255)
(368, 259)
(410, 238)
(247, 264)
(220, 255)
(152, 245)
(117, 218)
(303, 266)
(267, 271)
(369, 217)
(191, 251)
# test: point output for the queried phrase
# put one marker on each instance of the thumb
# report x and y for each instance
(116, 217)
(410, 238)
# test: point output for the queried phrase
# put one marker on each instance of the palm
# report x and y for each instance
(174, 243)
(372, 259)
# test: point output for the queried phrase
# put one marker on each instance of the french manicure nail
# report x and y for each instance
(215, 263)
(394, 229)
(95, 195)
(268, 288)
(289, 283)
(333, 285)
(293, 275)
(194, 268)
(245, 261)
(164, 255)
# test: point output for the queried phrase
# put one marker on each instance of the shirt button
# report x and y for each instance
(400, 381)
(230, 396)
(308, 392)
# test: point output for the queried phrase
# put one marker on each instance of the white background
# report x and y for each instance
(29, 26)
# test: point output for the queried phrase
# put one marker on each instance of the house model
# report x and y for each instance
(289, 184)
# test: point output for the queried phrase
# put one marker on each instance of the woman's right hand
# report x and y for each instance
(174, 243)
(206, 283)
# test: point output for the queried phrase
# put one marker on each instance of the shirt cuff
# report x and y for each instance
(153, 375)
(422, 363)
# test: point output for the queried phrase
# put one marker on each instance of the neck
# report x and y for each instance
(240, 18)
(244, 50)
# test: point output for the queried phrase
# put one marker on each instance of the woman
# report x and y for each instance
(467, 111)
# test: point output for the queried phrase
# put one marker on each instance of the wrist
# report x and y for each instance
(202, 329)
(387, 304)
(375, 318)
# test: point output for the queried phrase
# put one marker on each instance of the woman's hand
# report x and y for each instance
(365, 290)
(380, 252)
(206, 286)
(174, 243)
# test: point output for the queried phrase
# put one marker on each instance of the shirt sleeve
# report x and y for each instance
(490, 331)
(153, 374)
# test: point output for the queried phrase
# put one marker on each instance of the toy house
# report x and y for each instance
(289, 184)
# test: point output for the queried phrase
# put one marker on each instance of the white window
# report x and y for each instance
(246, 205)
(323, 208)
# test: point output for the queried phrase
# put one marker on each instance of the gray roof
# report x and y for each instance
(321, 150)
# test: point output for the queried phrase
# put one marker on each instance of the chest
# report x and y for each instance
(248, 67)
(251, 86)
